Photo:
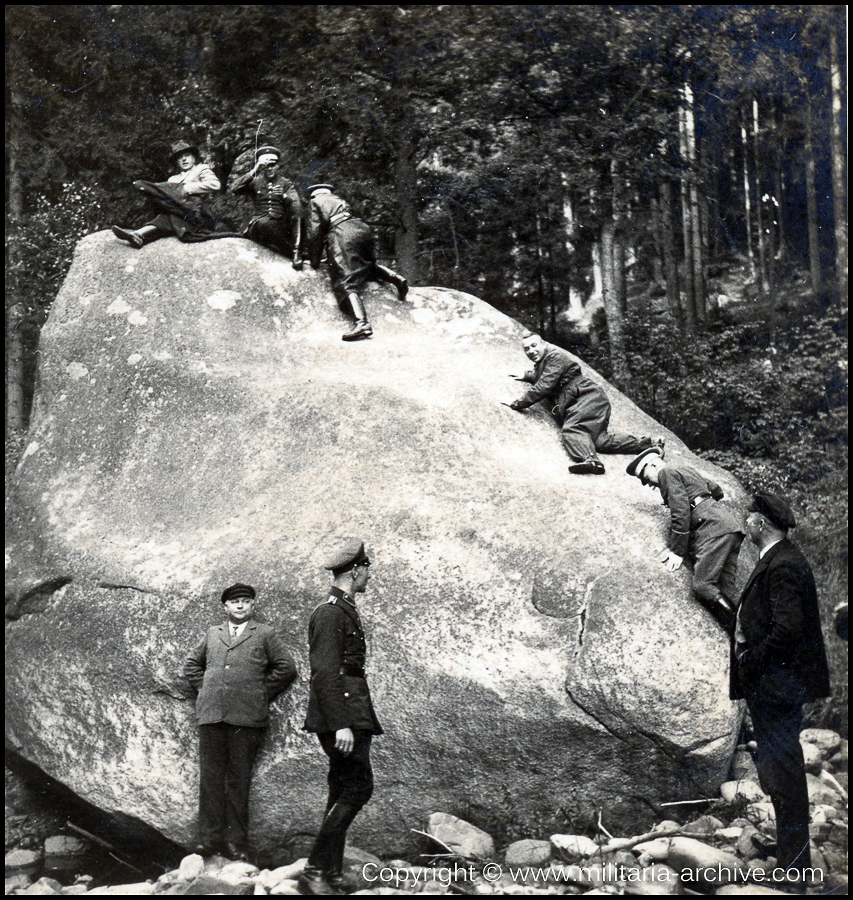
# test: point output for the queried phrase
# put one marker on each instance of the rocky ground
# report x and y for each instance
(727, 850)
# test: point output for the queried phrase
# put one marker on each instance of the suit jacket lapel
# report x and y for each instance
(224, 635)
(760, 566)
(247, 631)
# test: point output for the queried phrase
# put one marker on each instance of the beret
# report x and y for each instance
(236, 591)
(263, 150)
(635, 462)
(773, 507)
(349, 552)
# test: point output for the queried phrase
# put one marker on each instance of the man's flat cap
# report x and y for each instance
(638, 459)
(181, 147)
(236, 591)
(263, 151)
(773, 507)
(350, 552)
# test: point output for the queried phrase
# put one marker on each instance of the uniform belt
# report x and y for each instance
(339, 217)
(700, 499)
(351, 670)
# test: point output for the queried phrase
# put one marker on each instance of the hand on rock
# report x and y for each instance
(671, 560)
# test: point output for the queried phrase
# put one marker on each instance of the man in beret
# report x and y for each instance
(700, 526)
(277, 222)
(351, 253)
(179, 201)
(340, 713)
(778, 662)
(238, 669)
(578, 404)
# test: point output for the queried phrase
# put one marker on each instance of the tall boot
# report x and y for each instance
(399, 282)
(131, 237)
(362, 328)
(324, 870)
(297, 245)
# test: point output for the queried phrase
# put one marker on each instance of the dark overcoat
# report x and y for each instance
(237, 681)
(339, 695)
(782, 658)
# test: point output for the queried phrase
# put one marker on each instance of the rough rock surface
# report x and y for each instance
(199, 421)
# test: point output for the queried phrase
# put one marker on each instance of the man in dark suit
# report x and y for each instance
(578, 404)
(340, 713)
(239, 668)
(778, 662)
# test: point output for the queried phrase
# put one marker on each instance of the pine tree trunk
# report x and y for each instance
(811, 203)
(615, 321)
(759, 218)
(686, 229)
(15, 419)
(670, 257)
(697, 269)
(406, 235)
(839, 184)
(747, 201)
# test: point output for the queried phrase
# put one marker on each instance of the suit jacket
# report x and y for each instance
(196, 182)
(336, 641)
(777, 648)
(237, 681)
(551, 378)
(681, 487)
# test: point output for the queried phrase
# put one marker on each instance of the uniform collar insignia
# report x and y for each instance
(335, 593)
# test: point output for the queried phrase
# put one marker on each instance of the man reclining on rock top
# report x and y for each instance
(579, 405)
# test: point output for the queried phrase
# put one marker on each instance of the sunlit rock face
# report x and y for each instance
(199, 422)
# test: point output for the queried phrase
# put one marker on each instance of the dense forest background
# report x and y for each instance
(661, 189)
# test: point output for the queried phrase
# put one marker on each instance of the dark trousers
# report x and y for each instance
(782, 772)
(584, 431)
(715, 566)
(350, 787)
(280, 235)
(352, 256)
(226, 756)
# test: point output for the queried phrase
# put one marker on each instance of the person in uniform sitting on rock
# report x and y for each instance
(778, 662)
(700, 526)
(239, 668)
(179, 200)
(340, 713)
(578, 404)
(351, 253)
(277, 222)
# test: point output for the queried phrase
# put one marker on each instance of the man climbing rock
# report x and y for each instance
(700, 526)
(578, 404)
(340, 713)
(351, 253)
(277, 222)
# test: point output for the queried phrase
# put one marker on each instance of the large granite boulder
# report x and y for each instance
(199, 421)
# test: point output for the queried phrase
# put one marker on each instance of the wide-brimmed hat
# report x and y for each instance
(180, 147)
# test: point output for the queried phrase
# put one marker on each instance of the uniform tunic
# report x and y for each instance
(349, 243)
(278, 210)
(700, 525)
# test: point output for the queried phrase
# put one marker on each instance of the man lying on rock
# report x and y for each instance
(700, 526)
(239, 668)
(579, 405)
(179, 201)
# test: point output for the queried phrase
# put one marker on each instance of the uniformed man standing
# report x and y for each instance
(239, 668)
(277, 222)
(340, 713)
(699, 525)
(351, 253)
(578, 404)
(778, 662)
